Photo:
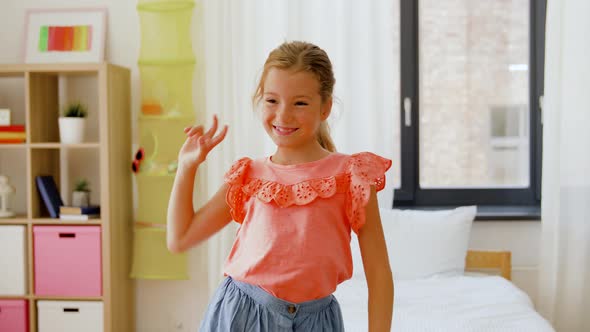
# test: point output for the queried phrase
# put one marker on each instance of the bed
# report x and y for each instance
(430, 294)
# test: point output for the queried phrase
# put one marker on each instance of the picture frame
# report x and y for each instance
(65, 35)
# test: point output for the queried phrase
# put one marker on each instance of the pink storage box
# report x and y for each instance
(14, 315)
(67, 260)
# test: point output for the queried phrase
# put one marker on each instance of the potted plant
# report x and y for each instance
(81, 193)
(73, 123)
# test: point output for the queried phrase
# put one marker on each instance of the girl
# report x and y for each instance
(296, 209)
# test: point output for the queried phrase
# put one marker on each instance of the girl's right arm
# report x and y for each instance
(185, 227)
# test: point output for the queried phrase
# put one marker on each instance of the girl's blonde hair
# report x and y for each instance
(307, 57)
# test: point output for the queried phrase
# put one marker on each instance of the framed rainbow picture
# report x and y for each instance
(65, 35)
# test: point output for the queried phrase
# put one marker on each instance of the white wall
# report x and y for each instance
(179, 305)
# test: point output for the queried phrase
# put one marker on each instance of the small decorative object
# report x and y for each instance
(81, 194)
(151, 107)
(73, 123)
(4, 117)
(65, 35)
(139, 155)
(172, 167)
(6, 191)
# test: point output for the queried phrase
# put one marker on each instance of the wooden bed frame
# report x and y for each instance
(477, 260)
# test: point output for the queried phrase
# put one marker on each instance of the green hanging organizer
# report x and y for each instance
(166, 66)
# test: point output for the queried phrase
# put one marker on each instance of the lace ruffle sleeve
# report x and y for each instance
(235, 196)
(366, 169)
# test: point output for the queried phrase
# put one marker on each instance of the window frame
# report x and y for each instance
(493, 203)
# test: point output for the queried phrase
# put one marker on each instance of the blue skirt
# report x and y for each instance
(239, 306)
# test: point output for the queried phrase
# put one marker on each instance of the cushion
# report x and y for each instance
(423, 244)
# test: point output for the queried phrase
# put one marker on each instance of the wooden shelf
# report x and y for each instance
(13, 146)
(56, 221)
(104, 160)
(54, 69)
(47, 221)
(15, 297)
(64, 146)
(11, 70)
(65, 298)
(18, 220)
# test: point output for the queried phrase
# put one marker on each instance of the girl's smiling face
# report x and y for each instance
(292, 108)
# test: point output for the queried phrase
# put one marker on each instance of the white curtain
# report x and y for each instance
(361, 38)
(564, 278)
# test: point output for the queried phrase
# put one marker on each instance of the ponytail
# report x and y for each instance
(324, 137)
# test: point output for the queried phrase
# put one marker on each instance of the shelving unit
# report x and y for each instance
(104, 157)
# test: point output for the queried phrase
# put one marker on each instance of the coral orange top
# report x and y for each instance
(294, 238)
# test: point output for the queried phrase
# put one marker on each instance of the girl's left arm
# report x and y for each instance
(377, 269)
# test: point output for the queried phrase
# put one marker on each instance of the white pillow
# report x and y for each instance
(423, 244)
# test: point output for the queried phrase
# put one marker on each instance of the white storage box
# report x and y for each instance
(13, 260)
(70, 316)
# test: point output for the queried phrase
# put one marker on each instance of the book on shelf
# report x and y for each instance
(49, 194)
(12, 128)
(91, 209)
(12, 140)
(12, 135)
(78, 216)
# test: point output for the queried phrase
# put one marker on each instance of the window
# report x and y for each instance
(470, 124)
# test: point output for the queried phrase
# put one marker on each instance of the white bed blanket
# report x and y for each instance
(454, 304)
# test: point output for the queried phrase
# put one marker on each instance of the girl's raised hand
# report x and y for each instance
(198, 144)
